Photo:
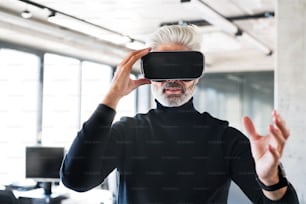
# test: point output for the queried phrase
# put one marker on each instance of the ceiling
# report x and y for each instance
(245, 42)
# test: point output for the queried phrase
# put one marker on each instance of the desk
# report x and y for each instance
(94, 196)
(62, 195)
(37, 196)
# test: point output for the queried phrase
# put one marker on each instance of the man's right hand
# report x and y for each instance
(122, 84)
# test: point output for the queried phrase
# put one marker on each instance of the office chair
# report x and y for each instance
(7, 197)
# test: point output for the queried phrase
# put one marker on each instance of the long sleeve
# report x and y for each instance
(242, 170)
(93, 153)
(168, 155)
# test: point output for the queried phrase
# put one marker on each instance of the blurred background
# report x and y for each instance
(57, 59)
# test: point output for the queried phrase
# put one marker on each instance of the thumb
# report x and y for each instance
(140, 82)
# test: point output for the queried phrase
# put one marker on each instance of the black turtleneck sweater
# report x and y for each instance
(168, 155)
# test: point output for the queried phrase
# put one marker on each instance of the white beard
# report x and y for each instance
(173, 100)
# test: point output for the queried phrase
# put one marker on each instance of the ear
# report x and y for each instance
(196, 81)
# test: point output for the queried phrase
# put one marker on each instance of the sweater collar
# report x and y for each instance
(188, 106)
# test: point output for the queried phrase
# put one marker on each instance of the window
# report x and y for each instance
(19, 88)
(230, 96)
(47, 103)
(243, 94)
(95, 83)
(61, 100)
(127, 105)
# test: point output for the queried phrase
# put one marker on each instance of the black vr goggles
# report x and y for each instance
(179, 65)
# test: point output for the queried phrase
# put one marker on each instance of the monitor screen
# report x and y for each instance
(43, 163)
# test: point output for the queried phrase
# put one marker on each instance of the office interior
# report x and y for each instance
(57, 60)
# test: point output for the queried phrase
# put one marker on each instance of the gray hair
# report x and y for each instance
(185, 35)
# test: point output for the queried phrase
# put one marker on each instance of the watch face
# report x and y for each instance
(180, 65)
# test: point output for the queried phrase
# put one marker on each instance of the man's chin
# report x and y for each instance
(169, 100)
(176, 96)
(173, 100)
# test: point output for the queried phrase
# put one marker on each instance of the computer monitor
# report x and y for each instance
(43, 165)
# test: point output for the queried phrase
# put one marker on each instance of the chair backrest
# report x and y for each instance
(7, 197)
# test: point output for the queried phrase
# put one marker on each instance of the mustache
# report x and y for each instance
(173, 85)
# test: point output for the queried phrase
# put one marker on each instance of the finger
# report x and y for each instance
(276, 155)
(279, 138)
(131, 54)
(281, 124)
(250, 128)
(140, 82)
(125, 67)
(133, 57)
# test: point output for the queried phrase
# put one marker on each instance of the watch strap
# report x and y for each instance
(282, 181)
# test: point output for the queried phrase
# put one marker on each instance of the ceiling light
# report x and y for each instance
(218, 20)
(82, 26)
(88, 29)
(219, 41)
(26, 14)
(212, 16)
(135, 45)
(258, 44)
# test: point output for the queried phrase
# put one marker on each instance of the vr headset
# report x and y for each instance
(172, 65)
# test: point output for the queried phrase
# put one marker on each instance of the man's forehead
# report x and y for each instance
(170, 47)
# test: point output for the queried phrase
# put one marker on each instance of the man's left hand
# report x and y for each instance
(267, 150)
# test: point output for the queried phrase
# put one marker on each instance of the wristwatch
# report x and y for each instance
(282, 180)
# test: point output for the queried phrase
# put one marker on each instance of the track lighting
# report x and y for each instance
(218, 20)
(212, 16)
(26, 14)
(135, 45)
(87, 28)
(79, 25)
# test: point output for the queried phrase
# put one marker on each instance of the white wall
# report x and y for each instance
(290, 85)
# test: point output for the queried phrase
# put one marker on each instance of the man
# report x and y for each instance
(174, 154)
